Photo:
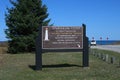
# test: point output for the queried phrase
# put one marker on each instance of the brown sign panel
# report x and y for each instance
(62, 37)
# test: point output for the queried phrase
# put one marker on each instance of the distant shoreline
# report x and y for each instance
(107, 42)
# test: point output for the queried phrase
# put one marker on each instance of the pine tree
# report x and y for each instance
(23, 20)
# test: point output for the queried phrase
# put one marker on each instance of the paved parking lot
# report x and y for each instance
(115, 48)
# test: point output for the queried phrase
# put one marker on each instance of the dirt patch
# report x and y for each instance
(3, 51)
(1, 59)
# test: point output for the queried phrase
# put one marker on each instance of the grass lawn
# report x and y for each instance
(56, 66)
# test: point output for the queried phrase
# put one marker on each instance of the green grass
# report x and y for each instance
(57, 66)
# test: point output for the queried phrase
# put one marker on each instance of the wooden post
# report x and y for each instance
(99, 55)
(103, 57)
(93, 52)
(112, 60)
(107, 58)
(119, 63)
(85, 48)
(38, 55)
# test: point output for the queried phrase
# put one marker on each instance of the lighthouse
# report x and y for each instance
(46, 34)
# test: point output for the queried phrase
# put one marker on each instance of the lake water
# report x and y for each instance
(106, 42)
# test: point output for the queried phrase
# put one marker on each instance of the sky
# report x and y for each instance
(102, 17)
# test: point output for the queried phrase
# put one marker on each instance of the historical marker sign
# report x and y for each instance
(62, 37)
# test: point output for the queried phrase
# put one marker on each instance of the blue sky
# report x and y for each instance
(102, 17)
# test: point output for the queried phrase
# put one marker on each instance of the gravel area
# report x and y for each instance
(115, 48)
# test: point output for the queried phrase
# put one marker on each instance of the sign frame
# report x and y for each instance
(40, 49)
